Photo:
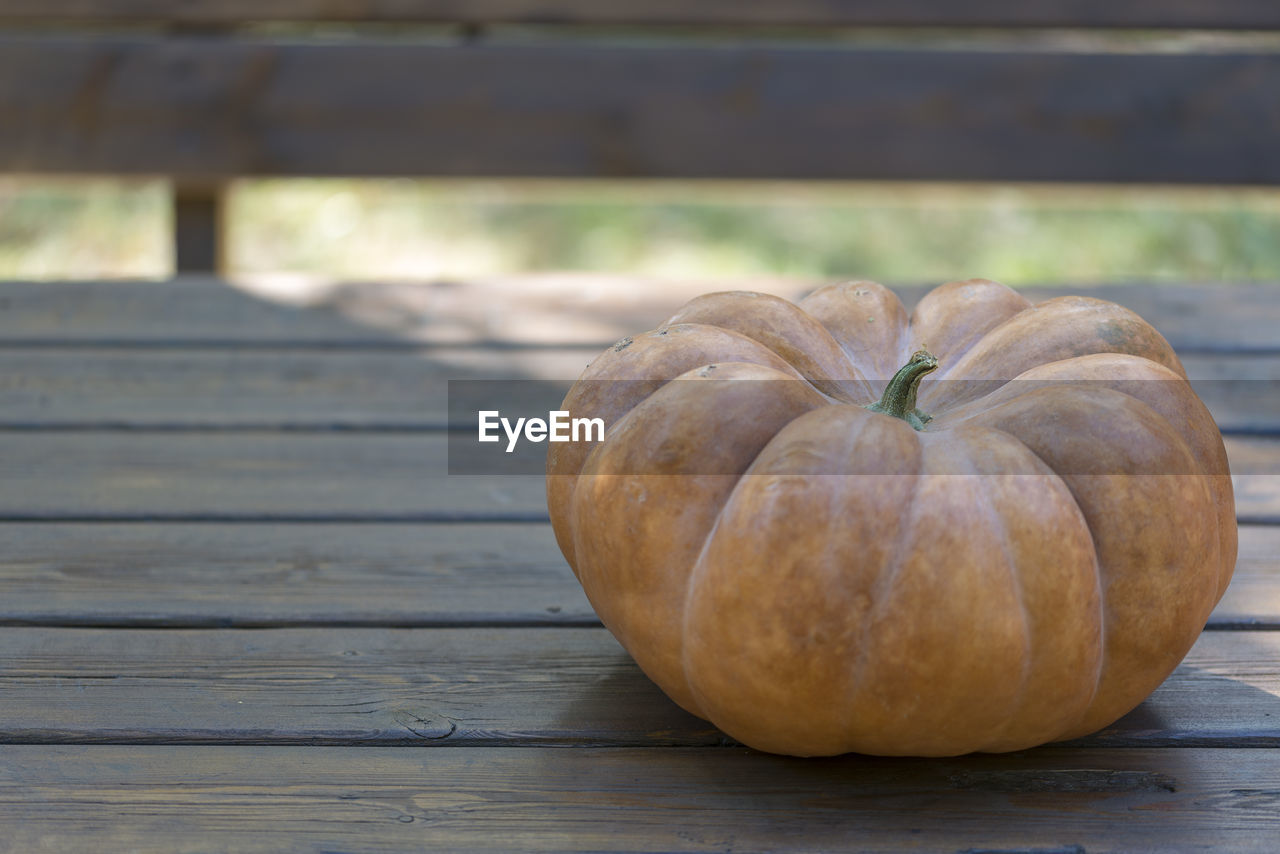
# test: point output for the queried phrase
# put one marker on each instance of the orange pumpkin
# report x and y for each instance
(1013, 542)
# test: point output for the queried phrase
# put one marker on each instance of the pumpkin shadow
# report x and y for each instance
(621, 707)
(1195, 707)
(1064, 798)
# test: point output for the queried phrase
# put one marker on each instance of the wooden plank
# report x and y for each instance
(190, 310)
(1255, 471)
(253, 799)
(219, 575)
(288, 575)
(1242, 392)
(378, 575)
(1253, 599)
(181, 388)
(334, 686)
(474, 687)
(253, 476)
(1223, 14)
(337, 476)
(1218, 318)
(1257, 499)
(532, 309)
(203, 108)
(232, 389)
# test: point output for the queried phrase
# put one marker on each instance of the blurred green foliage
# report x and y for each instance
(74, 228)
(402, 229)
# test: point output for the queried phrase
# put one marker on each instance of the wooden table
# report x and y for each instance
(243, 608)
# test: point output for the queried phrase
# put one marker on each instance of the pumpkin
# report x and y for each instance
(830, 527)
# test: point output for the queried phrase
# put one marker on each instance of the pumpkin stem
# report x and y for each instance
(899, 398)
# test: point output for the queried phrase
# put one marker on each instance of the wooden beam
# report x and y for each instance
(1221, 14)
(207, 108)
(198, 220)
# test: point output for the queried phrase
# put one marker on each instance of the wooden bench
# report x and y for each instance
(673, 89)
(242, 607)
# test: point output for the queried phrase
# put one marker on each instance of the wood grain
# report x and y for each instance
(255, 799)
(1223, 14)
(302, 659)
(333, 686)
(554, 310)
(238, 476)
(474, 687)
(204, 108)
(282, 575)
(389, 575)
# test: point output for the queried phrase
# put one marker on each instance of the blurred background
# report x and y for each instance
(407, 229)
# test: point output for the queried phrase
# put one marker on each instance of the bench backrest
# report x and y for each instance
(650, 88)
